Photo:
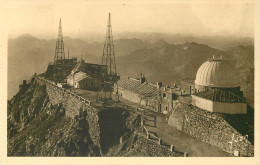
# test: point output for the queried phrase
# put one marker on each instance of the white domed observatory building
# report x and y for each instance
(217, 88)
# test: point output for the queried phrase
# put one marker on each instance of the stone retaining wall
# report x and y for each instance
(74, 106)
(210, 128)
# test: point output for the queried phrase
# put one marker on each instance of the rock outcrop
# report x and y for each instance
(38, 127)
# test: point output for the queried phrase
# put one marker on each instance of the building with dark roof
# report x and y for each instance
(86, 75)
(93, 70)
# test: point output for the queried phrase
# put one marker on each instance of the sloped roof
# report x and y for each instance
(93, 70)
(76, 68)
(135, 86)
(78, 76)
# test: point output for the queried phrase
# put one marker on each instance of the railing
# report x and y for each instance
(89, 103)
(152, 137)
(220, 95)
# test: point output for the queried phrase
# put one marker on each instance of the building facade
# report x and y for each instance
(86, 75)
(166, 99)
(83, 81)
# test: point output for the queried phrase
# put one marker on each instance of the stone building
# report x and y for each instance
(160, 99)
(166, 99)
(217, 88)
(136, 90)
(83, 81)
(86, 75)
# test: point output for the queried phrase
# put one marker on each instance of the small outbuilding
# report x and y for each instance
(83, 81)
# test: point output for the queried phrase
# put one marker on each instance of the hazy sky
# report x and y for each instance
(80, 18)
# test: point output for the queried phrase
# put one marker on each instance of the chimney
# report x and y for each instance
(24, 82)
(159, 85)
(142, 79)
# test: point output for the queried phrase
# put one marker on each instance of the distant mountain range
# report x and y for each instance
(165, 58)
(222, 42)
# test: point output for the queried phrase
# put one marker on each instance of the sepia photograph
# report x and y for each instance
(129, 79)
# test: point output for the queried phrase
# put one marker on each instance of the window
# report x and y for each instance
(174, 96)
(164, 95)
(92, 83)
(86, 83)
(166, 108)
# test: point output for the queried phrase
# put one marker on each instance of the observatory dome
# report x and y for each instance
(217, 72)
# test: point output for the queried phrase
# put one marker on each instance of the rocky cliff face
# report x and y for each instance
(36, 127)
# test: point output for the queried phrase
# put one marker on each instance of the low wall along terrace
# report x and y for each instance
(73, 104)
(210, 128)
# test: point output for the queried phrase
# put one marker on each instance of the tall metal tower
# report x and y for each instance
(59, 51)
(108, 57)
(110, 78)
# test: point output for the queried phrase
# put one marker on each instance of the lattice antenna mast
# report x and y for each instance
(59, 51)
(108, 57)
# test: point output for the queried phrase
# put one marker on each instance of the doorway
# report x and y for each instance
(159, 107)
